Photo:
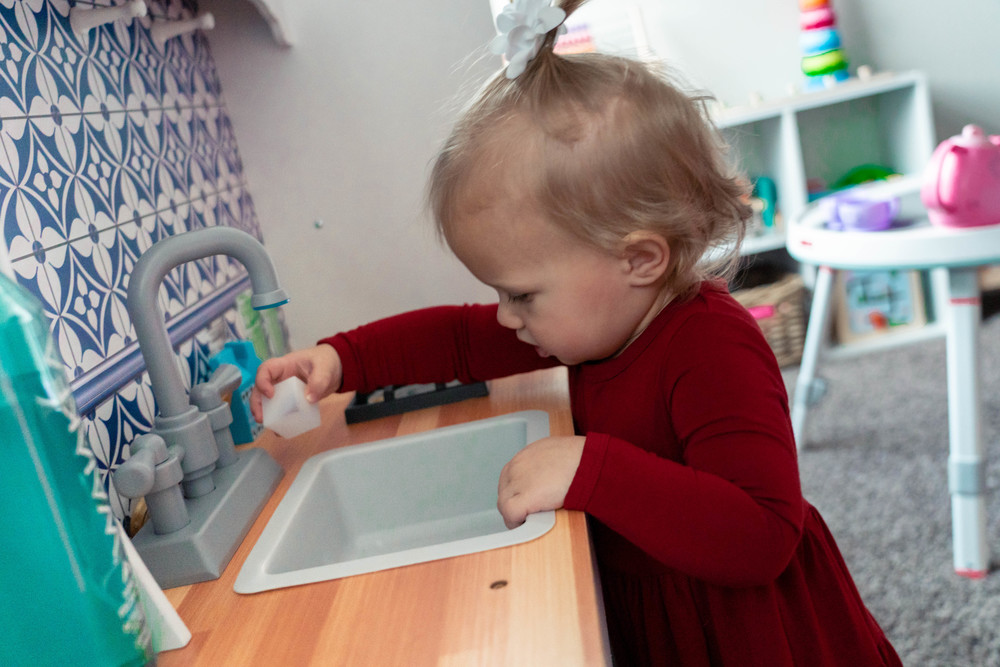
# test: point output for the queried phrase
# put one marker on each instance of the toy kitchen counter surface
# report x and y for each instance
(533, 603)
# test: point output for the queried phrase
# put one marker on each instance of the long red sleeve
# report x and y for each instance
(432, 345)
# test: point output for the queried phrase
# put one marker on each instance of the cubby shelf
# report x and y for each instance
(819, 136)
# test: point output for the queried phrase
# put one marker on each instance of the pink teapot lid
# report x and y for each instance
(972, 137)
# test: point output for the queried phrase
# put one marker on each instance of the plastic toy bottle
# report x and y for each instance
(823, 60)
(67, 595)
(241, 354)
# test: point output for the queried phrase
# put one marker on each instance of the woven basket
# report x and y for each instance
(779, 309)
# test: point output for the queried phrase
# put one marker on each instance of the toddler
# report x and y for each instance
(587, 190)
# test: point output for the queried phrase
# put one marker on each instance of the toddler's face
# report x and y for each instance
(567, 298)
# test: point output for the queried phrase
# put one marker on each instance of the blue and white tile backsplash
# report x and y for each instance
(109, 143)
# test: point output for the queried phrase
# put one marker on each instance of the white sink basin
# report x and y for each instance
(395, 502)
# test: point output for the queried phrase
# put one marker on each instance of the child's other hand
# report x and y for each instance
(538, 477)
(319, 367)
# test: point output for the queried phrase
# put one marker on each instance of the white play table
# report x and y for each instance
(916, 244)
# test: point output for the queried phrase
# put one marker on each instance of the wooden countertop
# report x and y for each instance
(530, 604)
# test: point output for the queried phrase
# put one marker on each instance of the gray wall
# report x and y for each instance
(342, 126)
(957, 44)
(737, 48)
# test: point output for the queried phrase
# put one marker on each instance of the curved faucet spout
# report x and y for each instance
(147, 317)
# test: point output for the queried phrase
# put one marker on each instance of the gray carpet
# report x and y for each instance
(875, 465)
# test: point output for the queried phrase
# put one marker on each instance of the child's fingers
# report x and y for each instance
(511, 499)
(317, 367)
(262, 387)
(538, 477)
(269, 373)
(256, 405)
(318, 383)
(513, 510)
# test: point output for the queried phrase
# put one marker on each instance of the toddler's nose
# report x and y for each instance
(506, 318)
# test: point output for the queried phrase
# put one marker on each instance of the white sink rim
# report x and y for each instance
(259, 572)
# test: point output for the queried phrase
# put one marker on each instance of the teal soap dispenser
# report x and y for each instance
(67, 593)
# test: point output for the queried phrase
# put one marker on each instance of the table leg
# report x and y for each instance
(816, 331)
(966, 470)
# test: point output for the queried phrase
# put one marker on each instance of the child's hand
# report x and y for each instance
(538, 477)
(319, 367)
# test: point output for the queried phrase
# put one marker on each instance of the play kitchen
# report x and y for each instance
(291, 522)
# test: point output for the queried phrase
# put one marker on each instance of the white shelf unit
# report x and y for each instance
(884, 120)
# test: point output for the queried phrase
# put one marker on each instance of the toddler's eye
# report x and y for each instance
(518, 298)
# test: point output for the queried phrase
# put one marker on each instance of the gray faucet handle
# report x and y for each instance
(208, 394)
(154, 471)
(207, 397)
(150, 458)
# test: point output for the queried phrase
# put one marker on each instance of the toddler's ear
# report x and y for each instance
(646, 256)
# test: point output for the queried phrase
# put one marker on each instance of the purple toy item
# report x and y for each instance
(856, 212)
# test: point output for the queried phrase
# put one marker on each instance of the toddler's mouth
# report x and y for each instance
(542, 353)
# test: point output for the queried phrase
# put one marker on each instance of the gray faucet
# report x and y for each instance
(178, 422)
(222, 502)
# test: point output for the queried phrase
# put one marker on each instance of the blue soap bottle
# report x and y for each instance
(67, 595)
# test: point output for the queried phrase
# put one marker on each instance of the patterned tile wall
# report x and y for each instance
(109, 143)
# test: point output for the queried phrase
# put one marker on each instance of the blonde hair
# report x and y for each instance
(603, 146)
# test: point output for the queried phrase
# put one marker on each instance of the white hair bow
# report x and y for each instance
(522, 25)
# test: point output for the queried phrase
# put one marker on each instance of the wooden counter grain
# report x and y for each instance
(529, 604)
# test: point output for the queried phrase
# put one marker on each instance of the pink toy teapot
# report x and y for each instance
(961, 187)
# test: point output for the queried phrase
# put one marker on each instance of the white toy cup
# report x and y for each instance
(288, 413)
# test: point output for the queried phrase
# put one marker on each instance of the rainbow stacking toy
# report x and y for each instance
(823, 59)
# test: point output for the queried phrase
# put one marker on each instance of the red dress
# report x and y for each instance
(707, 552)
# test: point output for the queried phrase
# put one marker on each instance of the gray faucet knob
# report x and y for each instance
(134, 478)
(154, 471)
(207, 395)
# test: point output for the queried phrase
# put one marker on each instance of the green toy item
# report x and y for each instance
(824, 63)
(865, 173)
